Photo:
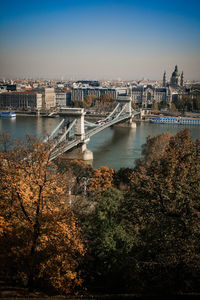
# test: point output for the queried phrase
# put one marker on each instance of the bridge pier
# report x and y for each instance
(126, 100)
(80, 153)
(130, 123)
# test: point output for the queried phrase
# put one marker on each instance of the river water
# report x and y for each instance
(115, 147)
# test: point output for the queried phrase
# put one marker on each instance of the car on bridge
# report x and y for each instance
(99, 122)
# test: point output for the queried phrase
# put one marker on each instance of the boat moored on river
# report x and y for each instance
(175, 120)
(7, 114)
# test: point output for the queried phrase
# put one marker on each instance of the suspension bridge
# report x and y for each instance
(74, 132)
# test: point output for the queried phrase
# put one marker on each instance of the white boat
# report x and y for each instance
(171, 120)
(7, 114)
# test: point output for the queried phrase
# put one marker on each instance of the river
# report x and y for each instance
(115, 147)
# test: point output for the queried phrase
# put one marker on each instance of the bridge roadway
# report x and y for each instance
(106, 124)
(69, 144)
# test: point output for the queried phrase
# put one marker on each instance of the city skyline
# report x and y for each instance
(99, 39)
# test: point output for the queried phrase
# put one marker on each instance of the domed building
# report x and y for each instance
(176, 78)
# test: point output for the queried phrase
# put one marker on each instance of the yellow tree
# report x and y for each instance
(39, 235)
(155, 105)
(105, 98)
(134, 105)
(102, 178)
(88, 101)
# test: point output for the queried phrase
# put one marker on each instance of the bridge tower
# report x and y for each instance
(81, 152)
(127, 100)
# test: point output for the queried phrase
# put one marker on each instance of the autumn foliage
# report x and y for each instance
(102, 178)
(40, 241)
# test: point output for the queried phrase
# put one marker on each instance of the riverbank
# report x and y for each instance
(17, 292)
(97, 115)
(22, 293)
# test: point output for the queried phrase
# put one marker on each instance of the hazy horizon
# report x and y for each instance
(109, 39)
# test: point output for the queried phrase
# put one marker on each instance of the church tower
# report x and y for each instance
(164, 79)
(182, 78)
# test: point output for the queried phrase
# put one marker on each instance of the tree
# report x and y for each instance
(196, 103)
(80, 174)
(109, 242)
(105, 99)
(184, 103)
(41, 241)
(78, 103)
(163, 104)
(122, 179)
(173, 110)
(102, 178)
(134, 105)
(155, 105)
(5, 141)
(164, 199)
(153, 149)
(88, 101)
(187, 100)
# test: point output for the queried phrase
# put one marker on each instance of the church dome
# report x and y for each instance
(175, 73)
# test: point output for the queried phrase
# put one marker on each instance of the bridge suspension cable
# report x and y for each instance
(54, 131)
(110, 115)
(117, 116)
(89, 124)
(64, 135)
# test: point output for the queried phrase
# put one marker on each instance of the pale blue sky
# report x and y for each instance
(99, 39)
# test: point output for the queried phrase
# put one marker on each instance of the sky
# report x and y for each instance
(113, 39)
